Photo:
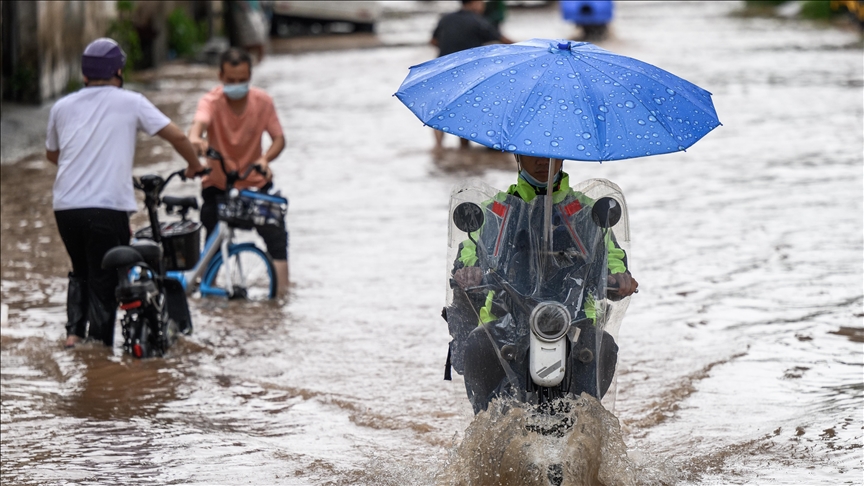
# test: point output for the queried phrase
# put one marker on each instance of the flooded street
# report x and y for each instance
(741, 357)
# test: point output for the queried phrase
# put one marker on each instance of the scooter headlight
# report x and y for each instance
(549, 321)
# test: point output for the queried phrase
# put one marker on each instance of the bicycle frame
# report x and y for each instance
(219, 242)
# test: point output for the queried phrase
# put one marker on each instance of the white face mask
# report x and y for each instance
(235, 91)
(531, 180)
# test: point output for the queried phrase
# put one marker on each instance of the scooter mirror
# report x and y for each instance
(606, 212)
(468, 217)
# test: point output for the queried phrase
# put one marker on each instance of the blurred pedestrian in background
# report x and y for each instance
(91, 138)
(234, 117)
(463, 29)
(249, 26)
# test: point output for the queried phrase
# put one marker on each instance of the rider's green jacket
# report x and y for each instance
(616, 258)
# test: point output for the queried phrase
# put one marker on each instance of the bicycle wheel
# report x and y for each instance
(251, 275)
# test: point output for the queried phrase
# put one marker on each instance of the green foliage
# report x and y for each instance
(123, 31)
(817, 10)
(184, 35)
(24, 85)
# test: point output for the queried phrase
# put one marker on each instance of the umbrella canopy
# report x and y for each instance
(559, 99)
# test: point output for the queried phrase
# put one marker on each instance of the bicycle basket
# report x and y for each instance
(250, 209)
(181, 241)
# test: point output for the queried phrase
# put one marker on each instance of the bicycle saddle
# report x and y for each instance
(121, 256)
(183, 202)
(150, 251)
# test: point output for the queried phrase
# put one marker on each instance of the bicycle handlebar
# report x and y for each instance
(232, 176)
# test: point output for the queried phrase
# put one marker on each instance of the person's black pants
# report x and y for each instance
(88, 234)
(276, 239)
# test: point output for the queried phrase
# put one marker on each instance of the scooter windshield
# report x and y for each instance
(505, 265)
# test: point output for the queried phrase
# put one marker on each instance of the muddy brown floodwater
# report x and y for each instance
(741, 358)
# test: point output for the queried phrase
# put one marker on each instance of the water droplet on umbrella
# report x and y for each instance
(440, 117)
(670, 91)
(491, 133)
(586, 135)
(563, 107)
(641, 122)
(658, 101)
(512, 71)
(511, 147)
(603, 109)
(553, 143)
(473, 134)
(652, 119)
(445, 129)
(527, 142)
(601, 117)
(547, 133)
(580, 147)
(629, 104)
(497, 146)
(485, 109)
(578, 111)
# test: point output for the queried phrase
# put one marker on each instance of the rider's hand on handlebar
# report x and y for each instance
(624, 284)
(193, 171)
(265, 167)
(200, 145)
(467, 277)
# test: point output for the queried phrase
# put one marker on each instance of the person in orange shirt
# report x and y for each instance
(234, 117)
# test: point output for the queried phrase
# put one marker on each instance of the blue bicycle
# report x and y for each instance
(225, 267)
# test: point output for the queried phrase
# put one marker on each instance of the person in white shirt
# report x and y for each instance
(91, 138)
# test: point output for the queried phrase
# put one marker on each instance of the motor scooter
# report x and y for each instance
(155, 307)
(541, 323)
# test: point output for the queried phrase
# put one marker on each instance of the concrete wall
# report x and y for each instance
(43, 40)
(63, 31)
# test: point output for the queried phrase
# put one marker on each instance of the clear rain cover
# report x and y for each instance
(519, 273)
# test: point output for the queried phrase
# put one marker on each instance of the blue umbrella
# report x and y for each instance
(559, 99)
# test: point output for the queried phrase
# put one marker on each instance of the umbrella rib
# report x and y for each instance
(695, 102)
(638, 100)
(587, 87)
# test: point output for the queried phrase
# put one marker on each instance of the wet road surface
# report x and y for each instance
(741, 357)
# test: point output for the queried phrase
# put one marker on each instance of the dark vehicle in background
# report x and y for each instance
(592, 16)
(291, 18)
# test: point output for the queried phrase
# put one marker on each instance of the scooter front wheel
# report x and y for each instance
(249, 274)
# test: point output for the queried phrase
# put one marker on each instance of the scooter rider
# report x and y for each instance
(482, 369)
(91, 138)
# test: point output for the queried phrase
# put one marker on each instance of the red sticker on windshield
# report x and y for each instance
(499, 209)
(572, 208)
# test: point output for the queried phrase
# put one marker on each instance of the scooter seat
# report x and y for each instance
(150, 251)
(121, 256)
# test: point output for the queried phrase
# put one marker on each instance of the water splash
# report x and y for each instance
(578, 443)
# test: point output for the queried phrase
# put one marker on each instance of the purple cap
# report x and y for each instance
(102, 58)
